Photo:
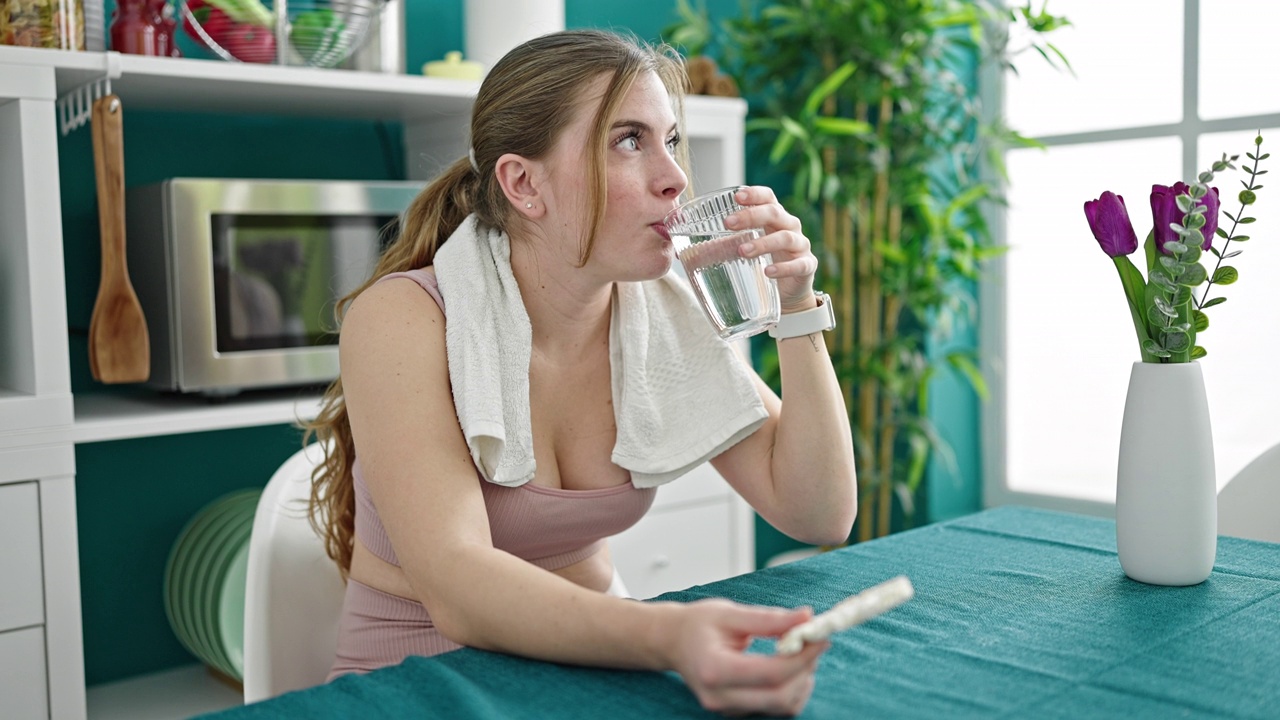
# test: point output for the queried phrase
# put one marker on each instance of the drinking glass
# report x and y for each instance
(738, 298)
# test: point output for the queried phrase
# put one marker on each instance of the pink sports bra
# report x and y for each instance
(549, 527)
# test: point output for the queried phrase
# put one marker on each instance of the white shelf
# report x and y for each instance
(225, 87)
(105, 416)
(218, 86)
(169, 695)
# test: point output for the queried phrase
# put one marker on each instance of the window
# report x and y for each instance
(1161, 89)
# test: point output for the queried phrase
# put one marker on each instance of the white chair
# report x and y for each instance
(293, 591)
(1249, 505)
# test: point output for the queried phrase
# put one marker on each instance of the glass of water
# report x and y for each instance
(739, 299)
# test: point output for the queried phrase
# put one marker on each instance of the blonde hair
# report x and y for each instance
(524, 104)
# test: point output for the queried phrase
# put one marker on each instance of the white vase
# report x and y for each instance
(495, 26)
(1166, 494)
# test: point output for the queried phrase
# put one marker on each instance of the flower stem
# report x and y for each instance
(1253, 174)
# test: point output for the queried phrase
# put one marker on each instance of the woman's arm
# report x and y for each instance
(797, 470)
(419, 471)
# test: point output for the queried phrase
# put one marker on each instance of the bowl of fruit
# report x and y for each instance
(319, 33)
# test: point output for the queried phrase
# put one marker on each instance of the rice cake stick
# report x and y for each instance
(853, 610)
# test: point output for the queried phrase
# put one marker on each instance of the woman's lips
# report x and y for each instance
(662, 231)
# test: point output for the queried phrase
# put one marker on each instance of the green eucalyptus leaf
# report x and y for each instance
(1225, 275)
(1165, 308)
(1201, 320)
(1198, 352)
(1176, 341)
(1161, 278)
(1176, 248)
(1247, 197)
(1214, 301)
(1185, 203)
(1172, 264)
(1194, 221)
(1206, 177)
(1193, 252)
(1193, 275)
(1152, 347)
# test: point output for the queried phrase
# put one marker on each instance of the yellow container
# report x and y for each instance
(454, 67)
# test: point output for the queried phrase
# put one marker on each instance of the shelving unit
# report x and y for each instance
(41, 422)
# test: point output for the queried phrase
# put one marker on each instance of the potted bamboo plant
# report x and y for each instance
(869, 106)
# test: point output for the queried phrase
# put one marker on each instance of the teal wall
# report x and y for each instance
(134, 496)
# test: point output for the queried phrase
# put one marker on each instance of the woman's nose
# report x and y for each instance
(671, 180)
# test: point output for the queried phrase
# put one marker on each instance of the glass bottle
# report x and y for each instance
(143, 27)
(57, 24)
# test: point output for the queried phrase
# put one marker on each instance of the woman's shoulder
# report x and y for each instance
(397, 302)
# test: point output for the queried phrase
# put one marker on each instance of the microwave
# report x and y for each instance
(239, 278)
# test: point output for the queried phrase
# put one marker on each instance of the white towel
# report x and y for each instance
(681, 396)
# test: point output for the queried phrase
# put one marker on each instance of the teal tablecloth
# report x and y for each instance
(1018, 613)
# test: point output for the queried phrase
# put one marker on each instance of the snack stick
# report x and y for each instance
(854, 610)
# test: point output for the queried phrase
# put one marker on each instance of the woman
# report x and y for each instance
(573, 166)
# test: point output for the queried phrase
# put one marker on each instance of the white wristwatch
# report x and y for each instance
(806, 322)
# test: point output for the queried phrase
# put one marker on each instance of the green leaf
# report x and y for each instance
(1201, 321)
(1240, 238)
(1185, 203)
(1214, 301)
(1176, 341)
(1165, 308)
(1231, 254)
(781, 147)
(827, 87)
(1151, 347)
(842, 126)
(1134, 291)
(1198, 352)
(1220, 232)
(1193, 275)
(1225, 275)
(1247, 220)
(964, 364)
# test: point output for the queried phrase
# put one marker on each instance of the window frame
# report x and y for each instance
(992, 291)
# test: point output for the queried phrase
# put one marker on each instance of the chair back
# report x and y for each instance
(293, 591)
(1249, 505)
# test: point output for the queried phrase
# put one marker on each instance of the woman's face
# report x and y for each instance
(643, 180)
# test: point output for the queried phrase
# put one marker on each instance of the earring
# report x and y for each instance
(528, 205)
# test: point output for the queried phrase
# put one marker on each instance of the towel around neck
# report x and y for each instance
(681, 395)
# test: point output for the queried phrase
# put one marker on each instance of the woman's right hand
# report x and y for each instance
(708, 652)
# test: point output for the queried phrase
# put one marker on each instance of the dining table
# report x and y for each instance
(1018, 613)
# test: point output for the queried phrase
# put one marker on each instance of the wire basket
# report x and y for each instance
(318, 33)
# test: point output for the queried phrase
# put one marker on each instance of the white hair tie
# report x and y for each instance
(471, 153)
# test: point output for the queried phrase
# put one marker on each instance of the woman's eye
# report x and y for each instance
(630, 142)
(673, 143)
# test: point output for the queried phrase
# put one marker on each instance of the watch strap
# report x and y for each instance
(806, 322)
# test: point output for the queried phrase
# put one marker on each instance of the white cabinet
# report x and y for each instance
(21, 591)
(22, 676)
(697, 532)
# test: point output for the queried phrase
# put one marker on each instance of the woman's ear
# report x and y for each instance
(518, 177)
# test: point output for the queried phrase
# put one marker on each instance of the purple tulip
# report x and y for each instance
(1109, 221)
(1165, 211)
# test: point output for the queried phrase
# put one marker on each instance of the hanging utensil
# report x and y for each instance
(119, 347)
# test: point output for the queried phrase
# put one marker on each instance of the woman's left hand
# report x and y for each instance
(794, 265)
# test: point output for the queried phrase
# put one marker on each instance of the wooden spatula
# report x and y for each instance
(119, 348)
